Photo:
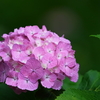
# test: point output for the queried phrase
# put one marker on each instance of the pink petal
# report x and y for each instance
(39, 52)
(3, 77)
(57, 85)
(33, 77)
(76, 68)
(4, 68)
(47, 83)
(66, 70)
(11, 81)
(74, 78)
(61, 76)
(65, 40)
(70, 62)
(5, 56)
(50, 48)
(49, 60)
(24, 85)
(15, 55)
(33, 63)
(25, 71)
(53, 77)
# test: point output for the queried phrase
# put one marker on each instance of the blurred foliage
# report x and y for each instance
(97, 36)
(75, 94)
(77, 19)
(87, 87)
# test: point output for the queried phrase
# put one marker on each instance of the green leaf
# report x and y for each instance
(87, 87)
(68, 84)
(75, 94)
(91, 81)
(98, 36)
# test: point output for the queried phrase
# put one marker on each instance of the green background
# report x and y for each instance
(77, 19)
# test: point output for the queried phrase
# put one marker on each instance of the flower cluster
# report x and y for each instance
(30, 56)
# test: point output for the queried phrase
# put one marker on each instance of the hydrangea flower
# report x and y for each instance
(30, 56)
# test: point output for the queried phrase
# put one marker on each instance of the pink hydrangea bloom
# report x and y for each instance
(12, 78)
(30, 56)
(48, 79)
(24, 83)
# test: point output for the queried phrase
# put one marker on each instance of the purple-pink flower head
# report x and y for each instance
(30, 56)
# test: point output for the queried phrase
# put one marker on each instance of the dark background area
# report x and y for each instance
(76, 19)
